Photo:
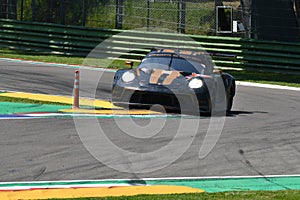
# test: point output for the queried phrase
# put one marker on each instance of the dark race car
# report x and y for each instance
(176, 79)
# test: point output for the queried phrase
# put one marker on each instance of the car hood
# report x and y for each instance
(152, 79)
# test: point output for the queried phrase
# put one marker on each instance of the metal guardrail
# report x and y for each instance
(79, 41)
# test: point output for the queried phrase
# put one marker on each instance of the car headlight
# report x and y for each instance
(195, 83)
(128, 77)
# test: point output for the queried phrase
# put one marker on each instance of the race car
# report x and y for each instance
(180, 80)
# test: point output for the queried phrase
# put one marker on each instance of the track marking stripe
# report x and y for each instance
(130, 180)
(110, 182)
(209, 184)
(69, 115)
(61, 99)
(111, 112)
(111, 109)
(96, 192)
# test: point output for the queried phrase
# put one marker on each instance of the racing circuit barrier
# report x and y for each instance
(79, 41)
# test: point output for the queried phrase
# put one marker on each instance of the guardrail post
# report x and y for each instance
(76, 90)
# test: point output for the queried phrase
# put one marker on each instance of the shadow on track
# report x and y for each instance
(235, 113)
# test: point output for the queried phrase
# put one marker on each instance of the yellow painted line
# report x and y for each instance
(111, 112)
(61, 99)
(95, 192)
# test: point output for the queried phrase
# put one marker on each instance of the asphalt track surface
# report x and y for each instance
(260, 136)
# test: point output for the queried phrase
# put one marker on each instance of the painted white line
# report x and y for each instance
(58, 186)
(149, 179)
(71, 115)
(221, 177)
(30, 62)
(18, 117)
(93, 115)
(104, 183)
(269, 86)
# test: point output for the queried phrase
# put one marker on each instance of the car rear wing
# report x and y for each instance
(222, 55)
(167, 50)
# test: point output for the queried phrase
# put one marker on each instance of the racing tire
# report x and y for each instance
(229, 103)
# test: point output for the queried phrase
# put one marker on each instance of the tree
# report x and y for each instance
(71, 12)
(297, 10)
(3, 9)
(12, 9)
(275, 20)
(8, 9)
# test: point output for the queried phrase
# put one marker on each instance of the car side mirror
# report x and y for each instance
(129, 63)
(217, 71)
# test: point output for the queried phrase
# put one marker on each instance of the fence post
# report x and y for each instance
(62, 12)
(32, 10)
(119, 14)
(148, 14)
(181, 17)
(22, 10)
(83, 13)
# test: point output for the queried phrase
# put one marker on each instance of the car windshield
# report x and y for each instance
(173, 63)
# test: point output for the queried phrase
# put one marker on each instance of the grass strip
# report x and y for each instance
(62, 59)
(275, 78)
(265, 195)
(37, 56)
(292, 80)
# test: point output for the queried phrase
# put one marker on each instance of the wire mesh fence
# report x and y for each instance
(184, 16)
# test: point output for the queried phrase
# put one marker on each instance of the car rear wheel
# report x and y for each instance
(229, 103)
(230, 97)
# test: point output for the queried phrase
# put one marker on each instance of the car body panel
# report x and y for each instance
(164, 77)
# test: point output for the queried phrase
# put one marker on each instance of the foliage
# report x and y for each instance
(197, 15)
(69, 12)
